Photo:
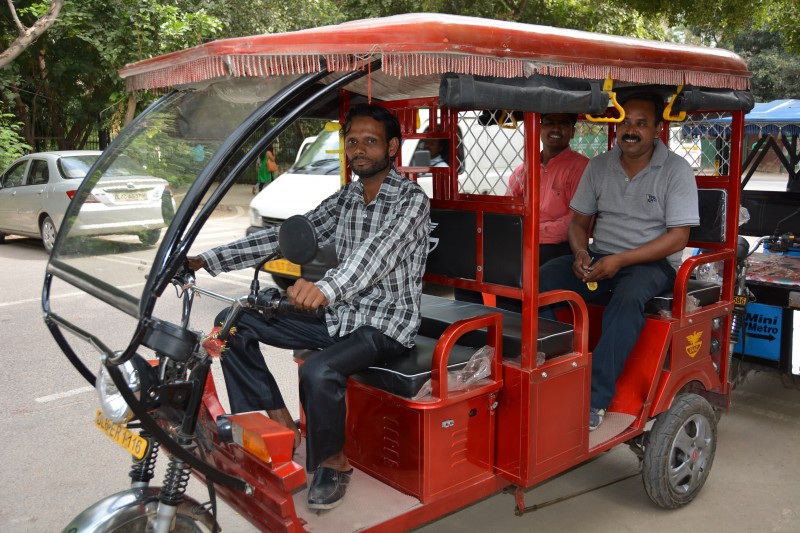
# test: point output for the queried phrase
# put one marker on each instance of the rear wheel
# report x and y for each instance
(679, 451)
(48, 232)
(149, 237)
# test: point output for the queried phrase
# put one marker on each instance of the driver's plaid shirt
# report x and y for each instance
(381, 248)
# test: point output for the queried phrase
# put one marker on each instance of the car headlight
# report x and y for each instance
(255, 218)
(113, 404)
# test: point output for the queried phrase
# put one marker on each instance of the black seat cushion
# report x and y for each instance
(555, 338)
(405, 375)
(706, 293)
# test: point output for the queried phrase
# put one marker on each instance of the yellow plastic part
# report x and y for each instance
(507, 120)
(335, 126)
(608, 88)
(680, 117)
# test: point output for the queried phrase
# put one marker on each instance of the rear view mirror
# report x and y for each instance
(297, 240)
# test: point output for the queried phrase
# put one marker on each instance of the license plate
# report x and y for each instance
(136, 445)
(282, 266)
(131, 196)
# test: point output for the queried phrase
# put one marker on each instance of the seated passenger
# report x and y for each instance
(643, 200)
(561, 170)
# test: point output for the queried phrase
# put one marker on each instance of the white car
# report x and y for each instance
(37, 188)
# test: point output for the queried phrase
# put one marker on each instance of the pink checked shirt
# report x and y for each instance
(559, 179)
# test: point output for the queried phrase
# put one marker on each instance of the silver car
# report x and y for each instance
(37, 188)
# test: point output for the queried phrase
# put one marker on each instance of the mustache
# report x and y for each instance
(631, 137)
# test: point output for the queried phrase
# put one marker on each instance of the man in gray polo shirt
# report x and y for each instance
(642, 199)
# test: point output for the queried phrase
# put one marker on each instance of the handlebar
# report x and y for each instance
(269, 302)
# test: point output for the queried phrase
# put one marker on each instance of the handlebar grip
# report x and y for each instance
(284, 306)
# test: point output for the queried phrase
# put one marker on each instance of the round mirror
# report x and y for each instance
(297, 240)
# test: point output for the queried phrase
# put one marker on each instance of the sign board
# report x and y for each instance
(761, 332)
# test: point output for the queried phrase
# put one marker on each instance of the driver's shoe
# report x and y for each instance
(327, 488)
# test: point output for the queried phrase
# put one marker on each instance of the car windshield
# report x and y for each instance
(110, 235)
(322, 157)
(76, 166)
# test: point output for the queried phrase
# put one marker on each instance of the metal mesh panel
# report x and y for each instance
(490, 154)
(703, 140)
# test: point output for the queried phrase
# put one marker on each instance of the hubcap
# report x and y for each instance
(48, 234)
(687, 461)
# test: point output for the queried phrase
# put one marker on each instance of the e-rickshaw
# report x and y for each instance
(417, 457)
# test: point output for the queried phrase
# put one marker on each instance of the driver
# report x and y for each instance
(379, 225)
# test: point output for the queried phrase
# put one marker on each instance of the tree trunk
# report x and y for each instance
(27, 36)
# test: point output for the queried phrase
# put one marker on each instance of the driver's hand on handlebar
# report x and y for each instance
(305, 295)
(195, 262)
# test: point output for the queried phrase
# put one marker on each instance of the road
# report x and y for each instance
(56, 463)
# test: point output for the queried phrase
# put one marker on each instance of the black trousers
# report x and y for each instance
(323, 377)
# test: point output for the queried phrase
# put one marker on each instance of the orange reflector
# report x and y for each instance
(262, 437)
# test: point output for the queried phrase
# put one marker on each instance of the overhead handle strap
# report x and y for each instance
(681, 116)
(608, 88)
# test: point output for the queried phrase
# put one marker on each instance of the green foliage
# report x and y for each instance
(776, 71)
(12, 145)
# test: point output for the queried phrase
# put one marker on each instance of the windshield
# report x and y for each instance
(110, 234)
(76, 167)
(322, 157)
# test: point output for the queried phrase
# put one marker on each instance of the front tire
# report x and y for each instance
(679, 451)
(48, 231)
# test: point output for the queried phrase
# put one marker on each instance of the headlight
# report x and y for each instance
(255, 218)
(113, 404)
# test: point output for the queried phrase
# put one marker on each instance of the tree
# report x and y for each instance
(27, 35)
(776, 71)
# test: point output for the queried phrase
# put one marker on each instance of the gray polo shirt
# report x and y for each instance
(633, 212)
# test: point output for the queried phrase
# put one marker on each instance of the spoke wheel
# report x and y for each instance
(679, 451)
(48, 231)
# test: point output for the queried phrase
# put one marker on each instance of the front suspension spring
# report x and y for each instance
(143, 471)
(175, 481)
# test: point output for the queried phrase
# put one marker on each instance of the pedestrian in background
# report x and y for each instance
(267, 170)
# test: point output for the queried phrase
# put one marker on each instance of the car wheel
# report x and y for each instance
(2, 237)
(149, 237)
(679, 451)
(48, 231)
(282, 282)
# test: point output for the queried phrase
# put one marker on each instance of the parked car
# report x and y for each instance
(37, 188)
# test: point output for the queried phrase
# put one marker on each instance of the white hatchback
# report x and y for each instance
(37, 188)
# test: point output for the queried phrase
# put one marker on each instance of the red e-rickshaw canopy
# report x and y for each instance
(424, 44)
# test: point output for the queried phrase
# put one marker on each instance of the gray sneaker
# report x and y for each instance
(596, 417)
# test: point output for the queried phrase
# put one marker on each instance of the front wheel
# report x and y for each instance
(134, 511)
(679, 451)
(48, 231)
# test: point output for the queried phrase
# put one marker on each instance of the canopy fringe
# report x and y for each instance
(417, 64)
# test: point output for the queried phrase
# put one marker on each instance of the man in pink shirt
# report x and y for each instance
(561, 170)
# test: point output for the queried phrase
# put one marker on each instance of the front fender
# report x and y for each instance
(123, 508)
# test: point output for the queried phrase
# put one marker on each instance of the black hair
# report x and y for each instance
(573, 117)
(390, 122)
(656, 100)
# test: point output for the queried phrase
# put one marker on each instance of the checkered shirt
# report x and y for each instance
(381, 248)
